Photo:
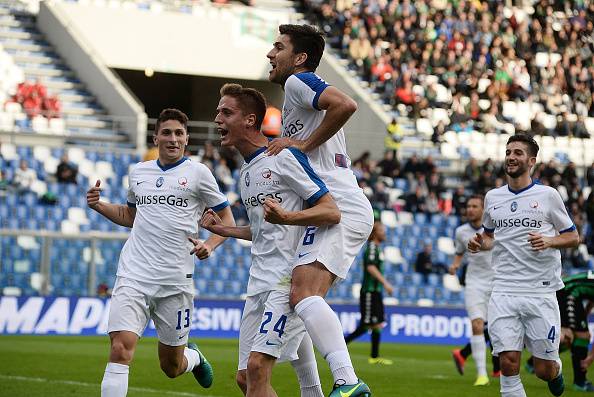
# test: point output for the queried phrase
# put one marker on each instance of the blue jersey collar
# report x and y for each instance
(255, 154)
(170, 166)
(534, 182)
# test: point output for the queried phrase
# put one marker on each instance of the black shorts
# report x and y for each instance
(573, 315)
(371, 305)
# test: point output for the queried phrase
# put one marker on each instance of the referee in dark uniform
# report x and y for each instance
(371, 299)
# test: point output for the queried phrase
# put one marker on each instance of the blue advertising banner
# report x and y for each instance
(219, 319)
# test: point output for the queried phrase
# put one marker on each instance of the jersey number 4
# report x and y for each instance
(551, 335)
(279, 327)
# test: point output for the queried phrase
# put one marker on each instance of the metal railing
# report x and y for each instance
(47, 239)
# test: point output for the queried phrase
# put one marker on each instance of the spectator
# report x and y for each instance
(394, 138)
(459, 201)
(66, 171)
(223, 175)
(51, 107)
(24, 177)
(389, 166)
(424, 263)
(151, 154)
(239, 213)
(103, 290)
(380, 198)
(4, 183)
(590, 175)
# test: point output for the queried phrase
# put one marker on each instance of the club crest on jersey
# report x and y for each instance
(247, 178)
(183, 181)
(266, 173)
(534, 204)
(160, 181)
(514, 206)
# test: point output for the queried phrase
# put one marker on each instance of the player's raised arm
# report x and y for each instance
(120, 214)
(212, 222)
(339, 108)
(323, 212)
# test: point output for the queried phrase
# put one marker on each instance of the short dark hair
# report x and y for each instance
(478, 197)
(307, 39)
(250, 100)
(528, 140)
(171, 114)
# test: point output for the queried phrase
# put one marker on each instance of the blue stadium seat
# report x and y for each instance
(434, 280)
(398, 278)
(420, 218)
(416, 230)
(415, 279)
(400, 183)
(200, 284)
(427, 292)
(219, 287)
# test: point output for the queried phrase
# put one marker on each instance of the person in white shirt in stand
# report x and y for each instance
(166, 198)
(525, 224)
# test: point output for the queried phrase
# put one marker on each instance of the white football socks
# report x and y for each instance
(306, 369)
(479, 353)
(193, 359)
(325, 330)
(511, 386)
(115, 380)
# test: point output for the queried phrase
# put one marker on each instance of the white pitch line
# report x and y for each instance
(94, 385)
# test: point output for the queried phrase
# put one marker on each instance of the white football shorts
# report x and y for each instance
(531, 321)
(270, 326)
(134, 303)
(477, 302)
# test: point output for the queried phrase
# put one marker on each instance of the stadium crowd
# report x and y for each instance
(472, 58)
(425, 189)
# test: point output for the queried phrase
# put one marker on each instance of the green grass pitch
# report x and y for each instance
(34, 366)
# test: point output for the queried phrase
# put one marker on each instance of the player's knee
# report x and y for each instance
(241, 380)
(256, 366)
(120, 353)
(545, 369)
(478, 326)
(510, 364)
(295, 297)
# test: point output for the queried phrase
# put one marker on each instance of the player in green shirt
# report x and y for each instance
(371, 302)
(576, 300)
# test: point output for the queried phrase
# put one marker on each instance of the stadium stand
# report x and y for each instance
(474, 66)
(421, 200)
(27, 59)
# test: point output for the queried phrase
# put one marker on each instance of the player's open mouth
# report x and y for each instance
(223, 132)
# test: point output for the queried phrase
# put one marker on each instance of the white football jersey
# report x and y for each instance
(169, 202)
(288, 178)
(479, 273)
(511, 215)
(300, 117)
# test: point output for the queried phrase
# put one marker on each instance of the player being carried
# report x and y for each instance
(525, 224)
(479, 280)
(577, 293)
(274, 190)
(312, 118)
(166, 198)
